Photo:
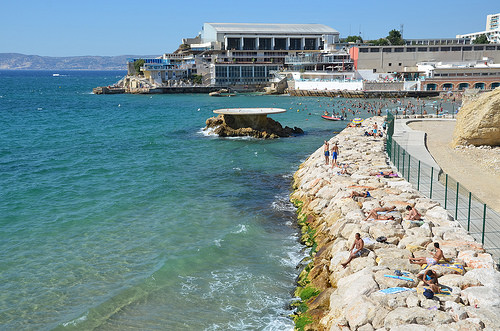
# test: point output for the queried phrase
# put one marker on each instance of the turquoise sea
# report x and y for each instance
(118, 213)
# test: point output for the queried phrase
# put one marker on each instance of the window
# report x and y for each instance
(233, 43)
(259, 71)
(310, 44)
(410, 49)
(220, 71)
(490, 48)
(399, 50)
(467, 48)
(234, 71)
(422, 49)
(363, 50)
(295, 43)
(479, 48)
(265, 43)
(246, 71)
(433, 49)
(456, 49)
(279, 43)
(249, 43)
(400, 64)
(389, 64)
(374, 50)
(445, 49)
(386, 50)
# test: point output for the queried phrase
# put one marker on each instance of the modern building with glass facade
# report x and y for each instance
(492, 31)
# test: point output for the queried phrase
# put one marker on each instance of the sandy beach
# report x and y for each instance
(478, 169)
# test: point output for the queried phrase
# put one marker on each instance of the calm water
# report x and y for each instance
(117, 212)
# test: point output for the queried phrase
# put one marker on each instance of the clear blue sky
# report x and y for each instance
(112, 27)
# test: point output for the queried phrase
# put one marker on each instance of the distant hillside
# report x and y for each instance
(35, 62)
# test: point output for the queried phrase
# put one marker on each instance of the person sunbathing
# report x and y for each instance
(378, 213)
(430, 278)
(413, 214)
(355, 194)
(384, 173)
(429, 260)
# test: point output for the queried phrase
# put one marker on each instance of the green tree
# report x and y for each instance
(482, 39)
(197, 79)
(353, 39)
(380, 42)
(137, 66)
(395, 38)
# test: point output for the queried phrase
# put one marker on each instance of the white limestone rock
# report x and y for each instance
(481, 296)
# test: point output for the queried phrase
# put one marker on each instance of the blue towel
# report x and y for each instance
(392, 290)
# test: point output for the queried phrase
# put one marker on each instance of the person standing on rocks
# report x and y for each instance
(327, 151)
(356, 249)
(335, 153)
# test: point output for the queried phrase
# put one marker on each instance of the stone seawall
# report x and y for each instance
(337, 298)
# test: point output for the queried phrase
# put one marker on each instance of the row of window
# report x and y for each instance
(222, 81)
(461, 74)
(244, 71)
(429, 49)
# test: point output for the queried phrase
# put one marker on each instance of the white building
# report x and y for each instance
(492, 31)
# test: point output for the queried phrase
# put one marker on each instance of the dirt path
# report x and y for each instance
(478, 169)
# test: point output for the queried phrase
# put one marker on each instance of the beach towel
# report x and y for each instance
(400, 277)
(393, 290)
(457, 267)
(444, 291)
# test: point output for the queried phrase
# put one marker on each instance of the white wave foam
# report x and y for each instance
(208, 132)
(217, 242)
(280, 324)
(76, 321)
(237, 169)
(241, 229)
(282, 203)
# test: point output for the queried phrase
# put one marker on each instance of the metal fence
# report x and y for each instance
(482, 222)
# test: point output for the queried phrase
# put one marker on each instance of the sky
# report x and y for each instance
(154, 27)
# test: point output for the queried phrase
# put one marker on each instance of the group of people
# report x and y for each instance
(334, 153)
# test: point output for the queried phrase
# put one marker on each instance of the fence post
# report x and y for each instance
(484, 223)
(418, 177)
(456, 201)
(446, 192)
(403, 169)
(468, 213)
(432, 175)
(409, 162)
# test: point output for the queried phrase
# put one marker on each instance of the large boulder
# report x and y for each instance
(478, 122)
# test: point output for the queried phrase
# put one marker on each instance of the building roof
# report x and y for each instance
(272, 28)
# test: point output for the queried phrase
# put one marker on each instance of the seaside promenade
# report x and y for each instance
(368, 294)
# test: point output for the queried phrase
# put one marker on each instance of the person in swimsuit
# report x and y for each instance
(413, 214)
(335, 152)
(365, 194)
(374, 213)
(429, 260)
(327, 151)
(375, 127)
(356, 249)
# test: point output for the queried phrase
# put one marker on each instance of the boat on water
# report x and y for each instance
(56, 75)
(222, 93)
(332, 118)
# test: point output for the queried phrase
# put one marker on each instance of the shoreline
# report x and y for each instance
(334, 298)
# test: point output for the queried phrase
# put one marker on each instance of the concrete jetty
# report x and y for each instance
(355, 297)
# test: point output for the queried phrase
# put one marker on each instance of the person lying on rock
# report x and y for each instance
(413, 214)
(356, 249)
(384, 173)
(429, 260)
(344, 170)
(374, 213)
(365, 194)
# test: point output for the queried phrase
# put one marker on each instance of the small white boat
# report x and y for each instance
(56, 75)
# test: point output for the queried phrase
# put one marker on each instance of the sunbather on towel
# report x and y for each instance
(374, 213)
(430, 278)
(365, 194)
(429, 260)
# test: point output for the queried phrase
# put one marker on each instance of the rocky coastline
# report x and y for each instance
(337, 298)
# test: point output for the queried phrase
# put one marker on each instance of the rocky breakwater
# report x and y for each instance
(353, 298)
(257, 126)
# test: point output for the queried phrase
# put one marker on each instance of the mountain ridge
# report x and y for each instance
(18, 61)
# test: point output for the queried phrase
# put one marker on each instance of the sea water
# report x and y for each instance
(118, 212)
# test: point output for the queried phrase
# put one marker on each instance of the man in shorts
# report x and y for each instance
(326, 149)
(356, 249)
(335, 153)
(429, 260)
